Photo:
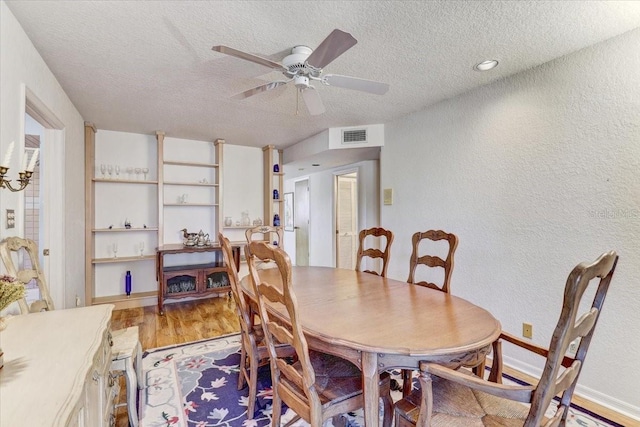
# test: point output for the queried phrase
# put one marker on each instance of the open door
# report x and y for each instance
(301, 221)
(346, 197)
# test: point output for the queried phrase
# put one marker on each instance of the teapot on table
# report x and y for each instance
(202, 239)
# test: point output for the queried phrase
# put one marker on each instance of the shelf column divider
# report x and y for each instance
(218, 209)
(160, 139)
(89, 208)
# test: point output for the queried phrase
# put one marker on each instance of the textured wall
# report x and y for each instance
(534, 173)
(21, 64)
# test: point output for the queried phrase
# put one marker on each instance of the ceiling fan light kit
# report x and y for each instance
(304, 65)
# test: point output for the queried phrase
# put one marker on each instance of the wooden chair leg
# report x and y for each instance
(479, 370)
(496, 364)
(243, 367)
(253, 388)
(276, 408)
(407, 378)
(426, 405)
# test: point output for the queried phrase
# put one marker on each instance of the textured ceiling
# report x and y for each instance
(141, 66)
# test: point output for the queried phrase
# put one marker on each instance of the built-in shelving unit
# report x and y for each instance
(273, 181)
(156, 209)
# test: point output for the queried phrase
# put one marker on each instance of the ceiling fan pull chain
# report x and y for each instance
(297, 100)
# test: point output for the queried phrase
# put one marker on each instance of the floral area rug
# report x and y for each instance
(195, 385)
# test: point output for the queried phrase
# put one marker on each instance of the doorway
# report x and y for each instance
(45, 205)
(346, 216)
(301, 222)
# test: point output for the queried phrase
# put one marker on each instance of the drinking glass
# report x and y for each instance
(110, 170)
(115, 250)
(117, 171)
(103, 169)
(129, 172)
(138, 170)
(141, 248)
(145, 171)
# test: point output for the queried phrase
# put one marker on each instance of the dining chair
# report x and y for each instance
(431, 262)
(372, 252)
(32, 271)
(268, 233)
(457, 398)
(253, 350)
(316, 386)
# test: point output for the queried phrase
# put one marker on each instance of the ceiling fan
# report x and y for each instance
(305, 65)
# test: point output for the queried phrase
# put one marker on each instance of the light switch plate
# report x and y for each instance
(11, 218)
(387, 195)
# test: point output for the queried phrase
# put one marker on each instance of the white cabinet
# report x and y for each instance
(63, 357)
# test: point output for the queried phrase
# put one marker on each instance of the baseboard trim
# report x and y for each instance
(599, 403)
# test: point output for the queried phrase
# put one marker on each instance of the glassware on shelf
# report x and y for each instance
(115, 250)
(117, 171)
(110, 170)
(127, 283)
(103, 170)
(228, 222)
(145, 171)
(138, 171)
(246, 222)
(141, 248)
(129, 172)
(276, 220)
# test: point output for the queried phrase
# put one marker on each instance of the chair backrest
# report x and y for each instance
(554, 380)
(431, 260)
(296, 384)
(374, 252)
(267, 233)
(242, 306)
(16, 245)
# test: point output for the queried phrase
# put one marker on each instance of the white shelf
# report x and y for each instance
(116, 230)
(191, 184)
(190, 204)
(124, 181)
(239, 227)
(122, 259)
(201, 165)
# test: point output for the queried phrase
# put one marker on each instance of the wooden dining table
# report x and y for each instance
(379, 323)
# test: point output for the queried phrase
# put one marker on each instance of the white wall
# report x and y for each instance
(322, 228)
(21, 66)
(534, 173)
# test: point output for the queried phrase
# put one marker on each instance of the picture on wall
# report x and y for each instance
(288, 211)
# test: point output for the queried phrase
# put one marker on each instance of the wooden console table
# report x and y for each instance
(192, 279)
(56, 369)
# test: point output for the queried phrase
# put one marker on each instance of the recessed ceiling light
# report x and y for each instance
(486, 65)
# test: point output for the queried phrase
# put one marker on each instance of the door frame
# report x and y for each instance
(52, 183)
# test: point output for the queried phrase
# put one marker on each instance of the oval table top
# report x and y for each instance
(369, 313)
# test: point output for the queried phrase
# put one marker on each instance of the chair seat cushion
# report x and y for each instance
(457, 405)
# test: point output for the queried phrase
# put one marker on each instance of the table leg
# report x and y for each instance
(371, 390)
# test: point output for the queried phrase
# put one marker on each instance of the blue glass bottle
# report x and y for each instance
(276, 168)
(276, 195)
(127, 283)
(276, 220)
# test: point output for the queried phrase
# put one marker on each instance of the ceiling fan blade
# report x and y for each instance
(249, 57)
(312, 100)
(355, 83)
(260, 89)
(336, 43)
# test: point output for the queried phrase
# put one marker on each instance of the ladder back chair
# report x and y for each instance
(461, 399)
(266, 233)
(253, 351)
(432, 261)
(316, 386)
(374, 253)
(17, 245)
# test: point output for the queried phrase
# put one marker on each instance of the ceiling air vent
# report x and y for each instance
(355, 136)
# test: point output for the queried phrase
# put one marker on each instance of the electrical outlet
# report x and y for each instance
(527, 330)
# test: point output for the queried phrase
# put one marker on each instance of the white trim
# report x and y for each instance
(588, 393)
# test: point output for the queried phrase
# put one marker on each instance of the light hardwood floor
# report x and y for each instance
(212, 317)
